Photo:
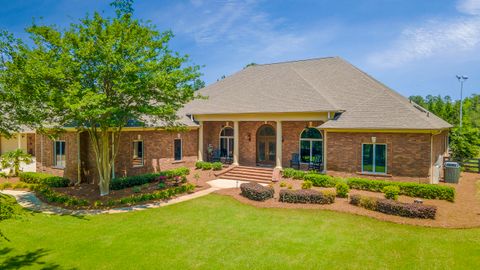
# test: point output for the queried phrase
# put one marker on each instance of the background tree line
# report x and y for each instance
(465, 141)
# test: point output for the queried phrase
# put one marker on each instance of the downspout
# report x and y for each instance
(431, 153)
(79, 160)
(325, 151)
(113, 151)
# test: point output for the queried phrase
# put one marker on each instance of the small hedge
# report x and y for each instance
(52, 196)
(427, 191)
(292, 173)
(342, 190)
(44, 179)
(216, 166)
(391, 192)
(391, 207)
(256, 192)
(321, 180)
(136, 180)
(307, 196)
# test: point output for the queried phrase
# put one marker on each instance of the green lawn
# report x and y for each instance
(217, 232)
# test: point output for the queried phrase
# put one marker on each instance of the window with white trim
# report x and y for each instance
(226, 142)
(137, 154)
(374, 158)
(59, 154)
(311, 145)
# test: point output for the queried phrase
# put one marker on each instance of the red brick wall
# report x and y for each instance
(158, 153)
(439, 149)
(407, 154)
(45, 156)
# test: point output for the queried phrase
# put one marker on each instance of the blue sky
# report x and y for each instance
(415, 47)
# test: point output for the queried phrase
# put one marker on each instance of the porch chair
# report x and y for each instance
(295, 161)
(315, 164)
(216, 155)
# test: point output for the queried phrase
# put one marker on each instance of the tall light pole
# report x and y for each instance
(461, 79)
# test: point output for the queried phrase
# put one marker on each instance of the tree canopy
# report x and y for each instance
(465, 141)
(97, 75)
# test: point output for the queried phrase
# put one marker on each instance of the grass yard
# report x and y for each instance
(217, 232)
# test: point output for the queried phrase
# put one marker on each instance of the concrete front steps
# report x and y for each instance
(256, 174)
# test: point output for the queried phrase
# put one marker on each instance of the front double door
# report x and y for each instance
(266, 146)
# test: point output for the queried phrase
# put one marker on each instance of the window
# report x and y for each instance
(177, 147)
(226, 142)
(137, 153)
(311, 145)
(374, 158)
(59, 157)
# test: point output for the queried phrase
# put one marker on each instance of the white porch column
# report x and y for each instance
(279, 146)
(19, 140)
(235, 142)
(200, 141)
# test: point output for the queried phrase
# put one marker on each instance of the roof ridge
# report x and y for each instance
(391, 93)
(333, 104)
(294, 61)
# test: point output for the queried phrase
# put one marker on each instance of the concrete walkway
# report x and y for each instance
(27, 199)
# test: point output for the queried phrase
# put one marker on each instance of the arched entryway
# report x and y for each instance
(266, 146)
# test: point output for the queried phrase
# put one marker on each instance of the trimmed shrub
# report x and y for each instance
(52, 196)
(342, 190)
(307, 184)
(391, 192)
(427, 191)
(217, 166)
(256, 192)
(411, 210)
(292, 173)
(283, 184)
(138, 180)
(391, 207)
(44, 179)
(199, 164)
(364, 201)
(321, 180)
(136, 189)
(307, 196)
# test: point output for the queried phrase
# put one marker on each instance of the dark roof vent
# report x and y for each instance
(337, 115)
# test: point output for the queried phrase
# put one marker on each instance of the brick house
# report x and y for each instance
(264, 115)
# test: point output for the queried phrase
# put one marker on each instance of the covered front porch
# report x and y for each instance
(262, 140)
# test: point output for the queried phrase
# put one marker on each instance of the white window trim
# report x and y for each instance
(55, 154)
(181, 149)
(311, 143)
(220, 137)
(374, 165)
(143, 153)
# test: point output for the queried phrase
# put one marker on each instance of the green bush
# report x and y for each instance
(342, 190)
(44, 179)
(307, 184)
(427, 191)
(199, 164)
(138, 180)
(3, 175)
(207, 166)
(391, 192)
(307, 196)
(161, 185)
(52, 196)
(321, 180)
(292, 173)
(217, 166)
(137, 189)
(283, 184)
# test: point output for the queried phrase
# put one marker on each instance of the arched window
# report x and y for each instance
(226, 142)
(311, 145)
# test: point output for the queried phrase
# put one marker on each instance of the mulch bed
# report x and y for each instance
(463, 213)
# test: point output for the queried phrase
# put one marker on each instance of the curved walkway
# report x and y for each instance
(28, 200)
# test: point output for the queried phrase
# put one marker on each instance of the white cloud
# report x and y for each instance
(434, 38)
(469, 6)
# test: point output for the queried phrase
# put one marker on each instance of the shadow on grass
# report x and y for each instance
(30, 258)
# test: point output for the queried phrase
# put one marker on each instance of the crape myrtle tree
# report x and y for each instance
(99, 75)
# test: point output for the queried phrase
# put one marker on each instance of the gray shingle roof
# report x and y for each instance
(315, 85)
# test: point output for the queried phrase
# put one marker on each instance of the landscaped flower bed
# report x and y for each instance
(203, 165)
(307, 196)
(426, 191)
(256, 192)
(137, 180)
(44, 179)
(391, 207)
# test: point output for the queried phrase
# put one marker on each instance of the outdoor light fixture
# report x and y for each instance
(461, 79)
(374, 139)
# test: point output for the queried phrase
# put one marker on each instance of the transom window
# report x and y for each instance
(137, 153)
(59, 157)
(226, 142)
(374, 158)
(311, 145)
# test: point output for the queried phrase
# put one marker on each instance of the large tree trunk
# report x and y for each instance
(105, 157)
